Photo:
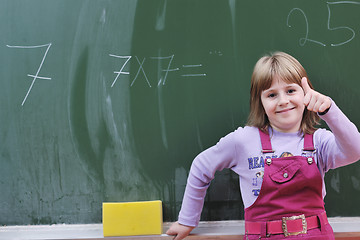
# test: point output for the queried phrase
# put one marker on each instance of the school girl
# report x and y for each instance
(280, 157)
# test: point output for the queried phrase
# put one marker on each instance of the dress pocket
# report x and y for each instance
(286, 173)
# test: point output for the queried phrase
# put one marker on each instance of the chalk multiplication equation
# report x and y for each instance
(193, 70)
(188, 70)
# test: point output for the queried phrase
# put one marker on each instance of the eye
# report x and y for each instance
(291, 90)
(272, 95)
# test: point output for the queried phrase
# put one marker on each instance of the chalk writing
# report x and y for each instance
(166, 70)
(166, 61)
(303, 40)
(36, 76)
(142, 69)
(162, 77)
(193, 75)
(215, 52)
(340, 27)
(121, 70)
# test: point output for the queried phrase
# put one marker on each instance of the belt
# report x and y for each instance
(288, 225)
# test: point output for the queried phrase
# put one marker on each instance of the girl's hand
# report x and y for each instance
(314, 101)
(181, 231)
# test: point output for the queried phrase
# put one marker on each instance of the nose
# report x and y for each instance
(283, 99)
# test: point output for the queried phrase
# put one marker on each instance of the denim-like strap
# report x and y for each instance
(267, 148)
(265, 142)
(308, 142)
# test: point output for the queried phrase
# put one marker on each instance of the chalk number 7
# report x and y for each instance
(36, 76)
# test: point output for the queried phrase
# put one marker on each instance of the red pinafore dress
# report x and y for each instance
(290, 203)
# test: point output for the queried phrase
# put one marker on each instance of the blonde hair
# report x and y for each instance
(288, 69)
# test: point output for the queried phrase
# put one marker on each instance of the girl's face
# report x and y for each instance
(284, 105)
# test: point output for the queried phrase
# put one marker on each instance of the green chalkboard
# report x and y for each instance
(110, 100)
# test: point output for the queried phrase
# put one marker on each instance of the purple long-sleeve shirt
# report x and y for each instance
(241, 152)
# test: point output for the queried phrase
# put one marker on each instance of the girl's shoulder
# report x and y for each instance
(245, 134)
(247, 131)
(322, 135)
(241, 135)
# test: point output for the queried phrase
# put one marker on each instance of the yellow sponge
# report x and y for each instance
(132, 218)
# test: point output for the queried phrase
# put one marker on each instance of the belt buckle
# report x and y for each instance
(303, 223)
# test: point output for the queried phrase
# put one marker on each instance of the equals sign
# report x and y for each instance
(194, 74)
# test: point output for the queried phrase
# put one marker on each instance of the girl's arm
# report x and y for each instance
(181, 231)
(340, 146)
(201, 173)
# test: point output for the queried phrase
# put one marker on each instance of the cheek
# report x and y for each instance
(302, 109)
(263, 103)
(301, 101)
(300, 96)
(267, 106)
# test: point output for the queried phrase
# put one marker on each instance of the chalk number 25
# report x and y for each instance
(303, 40)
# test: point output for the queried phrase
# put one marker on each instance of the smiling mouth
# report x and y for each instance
(285, 110)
